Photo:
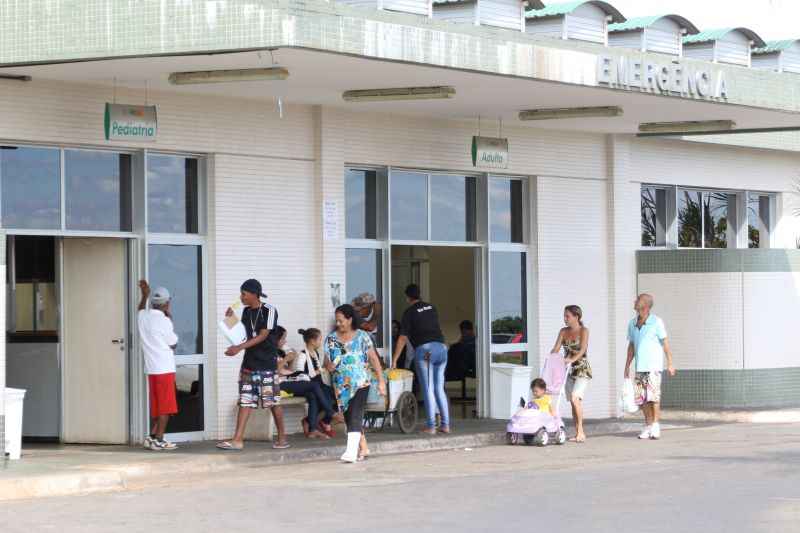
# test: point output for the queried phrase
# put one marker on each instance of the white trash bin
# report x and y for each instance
(508, 384)
(13, 425)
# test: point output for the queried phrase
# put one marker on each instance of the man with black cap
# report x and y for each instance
(258, 379)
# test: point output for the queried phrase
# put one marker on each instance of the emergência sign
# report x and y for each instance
(673, 77)
(130, 122)
(489, 152)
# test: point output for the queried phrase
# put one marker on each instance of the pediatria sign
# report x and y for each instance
(673, 77)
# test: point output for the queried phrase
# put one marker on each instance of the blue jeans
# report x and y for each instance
(431, 380)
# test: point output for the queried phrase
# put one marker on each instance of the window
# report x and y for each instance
(758, 220)
(364, 284)
(172, 185)
(31, 187)
(33, 309)
(509, 303)
(98, 190)
(690, 224)
(178, 268)
(453, 208)
(438, 207)
(409, 206)
(361, 201)
(690, 218)
(654, 216)
(717, 231)
(506, 206)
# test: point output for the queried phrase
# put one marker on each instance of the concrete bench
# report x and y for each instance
(261, 426)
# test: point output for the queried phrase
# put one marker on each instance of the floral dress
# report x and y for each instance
(580, 368)
(352, 365)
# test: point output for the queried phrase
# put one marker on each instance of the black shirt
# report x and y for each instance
(263, 356)
(421, 324)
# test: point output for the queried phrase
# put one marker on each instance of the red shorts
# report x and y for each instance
(162, 394)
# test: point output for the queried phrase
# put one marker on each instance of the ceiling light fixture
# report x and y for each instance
(14, 77)
(228, 76)
(570, 112)
(692, 126)
(400, 93)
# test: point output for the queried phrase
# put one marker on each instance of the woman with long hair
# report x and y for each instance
(574, 341)
(299, 383)
(349, 353)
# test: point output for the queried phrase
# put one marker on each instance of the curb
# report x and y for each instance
(784, 416)
(119, 477)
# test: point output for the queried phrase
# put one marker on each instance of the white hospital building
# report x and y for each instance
(510, 157)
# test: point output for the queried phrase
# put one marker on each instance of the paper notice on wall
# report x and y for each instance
(330, 220)
(233, 330)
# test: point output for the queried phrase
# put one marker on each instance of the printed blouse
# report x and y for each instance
(352, 364)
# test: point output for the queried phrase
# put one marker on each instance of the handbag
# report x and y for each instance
(627, 397)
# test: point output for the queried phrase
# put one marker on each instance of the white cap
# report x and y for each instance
(159, 296)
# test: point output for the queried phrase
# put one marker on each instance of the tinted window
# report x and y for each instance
(409, 194)
(177, 268)
(360, 190)
(172, 194)
(452, 208)
(505, 196)
(31, 187)
(98, 190)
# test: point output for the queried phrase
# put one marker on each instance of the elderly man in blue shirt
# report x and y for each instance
(647, 346)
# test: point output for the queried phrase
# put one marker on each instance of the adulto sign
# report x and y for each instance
(489, 152)
(130, 122)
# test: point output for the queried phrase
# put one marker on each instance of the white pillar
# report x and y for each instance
(625, 238)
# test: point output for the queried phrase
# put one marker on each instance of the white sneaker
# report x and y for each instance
(164, 445)
(646, 433)
(655, 431)
(148, 443)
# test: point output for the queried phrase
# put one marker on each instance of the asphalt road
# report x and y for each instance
(731, 478)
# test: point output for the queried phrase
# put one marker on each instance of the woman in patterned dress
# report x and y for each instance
(349, 352)
(574, 340)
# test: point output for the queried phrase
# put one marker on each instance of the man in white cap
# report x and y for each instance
(158, 344)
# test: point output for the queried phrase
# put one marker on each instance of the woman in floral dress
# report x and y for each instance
(349, 352)
(574, 340)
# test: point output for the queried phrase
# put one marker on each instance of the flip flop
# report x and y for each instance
(227, 446)
(281, 446)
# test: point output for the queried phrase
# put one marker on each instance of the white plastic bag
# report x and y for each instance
(627, 399)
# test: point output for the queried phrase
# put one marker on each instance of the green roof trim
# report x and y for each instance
(773, 47)
(565, 8)
(640, 23)
(716, 35)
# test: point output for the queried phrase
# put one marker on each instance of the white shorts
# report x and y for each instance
(577, 387)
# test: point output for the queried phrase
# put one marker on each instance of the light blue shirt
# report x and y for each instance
(648, 350)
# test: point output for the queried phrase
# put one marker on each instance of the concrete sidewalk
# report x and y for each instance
(52, 470)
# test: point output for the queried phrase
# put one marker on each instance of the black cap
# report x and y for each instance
(253, 286)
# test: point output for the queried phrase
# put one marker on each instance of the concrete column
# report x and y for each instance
(329, 179)
(624, 239)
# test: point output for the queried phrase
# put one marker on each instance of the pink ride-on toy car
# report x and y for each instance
(532, 426)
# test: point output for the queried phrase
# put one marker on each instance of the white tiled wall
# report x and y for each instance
(264, 230)
(703, 316)
(573, 269)
(771, 307)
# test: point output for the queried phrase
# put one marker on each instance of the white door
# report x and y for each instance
(95, 352)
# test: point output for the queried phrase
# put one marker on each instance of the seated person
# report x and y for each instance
(300, 384)
(309, 361)
(541, 400)
(461, 356)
